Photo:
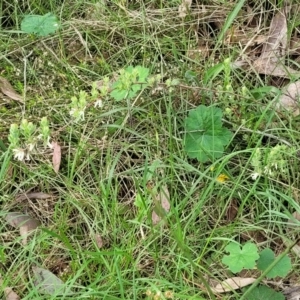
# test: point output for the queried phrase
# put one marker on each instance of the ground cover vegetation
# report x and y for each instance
(149, 149)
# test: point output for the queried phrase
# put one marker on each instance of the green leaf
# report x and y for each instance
(240, 257)
(262, 92)
(190, 76)
(2, 145)
(205, 137)
(264, 293)
(119, 95)
(213, 72)
(40, 25)
(130, 82)
(143, 73)
(267, 257)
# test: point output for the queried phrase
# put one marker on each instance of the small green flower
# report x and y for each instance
(45, 130)
(27, 129)
(14, 135)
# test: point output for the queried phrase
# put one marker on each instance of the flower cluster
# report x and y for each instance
(25, 138)
(159, 295)
(270, 162)
(78, 106)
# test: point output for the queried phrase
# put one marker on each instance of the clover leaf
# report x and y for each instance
(240, 257)
(40, 25)
(267, 257)
(205, 136)
(263, 292)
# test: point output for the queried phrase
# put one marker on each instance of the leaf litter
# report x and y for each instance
(161, 205)
(275, 48)
(7, 89)
(33, 195)
(56, 157)
(233, 283)
(9, 294)
(47, 283)
(23, 222)
(98, 240)
(289, 99)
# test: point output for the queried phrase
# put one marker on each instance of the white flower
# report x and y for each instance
(27, 156)
(49, 144)
(98, 103)
(77, 114)
(255, 175)
(19, 154)
(73, 111)
(31, 146)
(268, 171)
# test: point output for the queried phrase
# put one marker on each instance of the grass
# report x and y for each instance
(105, 165)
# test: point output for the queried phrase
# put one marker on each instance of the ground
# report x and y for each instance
(101, 196)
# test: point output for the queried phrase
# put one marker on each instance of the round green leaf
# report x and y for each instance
(240, 257)
(205, 137)
(263, 293)
(267, 257)
(40, 25)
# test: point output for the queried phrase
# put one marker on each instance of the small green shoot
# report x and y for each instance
(142, 206)
(205, 135)
(78, 106)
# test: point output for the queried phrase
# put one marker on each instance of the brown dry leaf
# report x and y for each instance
(233, 283)
(33, 195)
(294, 221)
(47, 283)
(98, 240)
(184, 7)
(56, 158)
(162, 205)
(25, 223)
(296, 250)
(243, 37)
(273, 67)
(8, 90)
(18, 219)
(288, 242)
(276, 44)
(275, 48)
(294, 47)
(292, 293)
(10, 294)
(289, 98)
(232, 210)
